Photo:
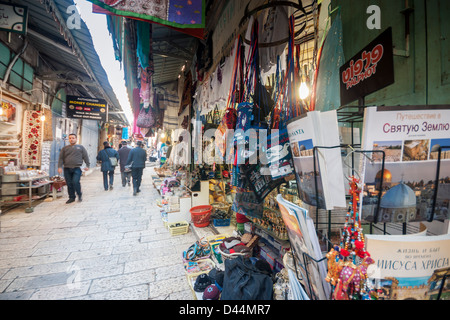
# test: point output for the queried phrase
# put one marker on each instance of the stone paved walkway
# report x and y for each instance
(113, 245)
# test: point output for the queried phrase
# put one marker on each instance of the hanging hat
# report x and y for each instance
(201, 282)
(211, 293)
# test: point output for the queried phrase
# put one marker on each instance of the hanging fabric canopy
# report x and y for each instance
(184, 16)
(143, 36)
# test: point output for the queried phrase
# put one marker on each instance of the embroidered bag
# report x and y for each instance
(146, 118)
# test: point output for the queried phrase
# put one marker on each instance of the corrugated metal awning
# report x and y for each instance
(70, 53)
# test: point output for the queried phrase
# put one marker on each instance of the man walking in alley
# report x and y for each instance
(109, 159)
(72, 157)
(123, 154)
(136, 159)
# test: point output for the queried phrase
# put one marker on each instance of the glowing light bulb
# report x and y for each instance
(163, 135)
(42, 118)
(304, 91)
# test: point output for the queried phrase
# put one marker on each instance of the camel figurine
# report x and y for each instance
(334, 267)
(355, 275)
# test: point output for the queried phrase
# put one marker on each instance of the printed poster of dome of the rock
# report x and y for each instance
(415, 143)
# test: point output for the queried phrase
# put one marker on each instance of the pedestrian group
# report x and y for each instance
(131, 162)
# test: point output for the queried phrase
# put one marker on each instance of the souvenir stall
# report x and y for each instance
(22, 135)
(282, 163)
(259, 240)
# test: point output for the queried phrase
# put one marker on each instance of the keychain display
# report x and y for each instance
(348, 262)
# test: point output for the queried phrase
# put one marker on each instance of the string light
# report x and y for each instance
(303, 91)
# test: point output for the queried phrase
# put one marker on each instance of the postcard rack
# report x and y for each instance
(353, 116)
(306, 260)
(436, 183)
(364, 152)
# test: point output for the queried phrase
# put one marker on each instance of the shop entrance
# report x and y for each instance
(62, 127)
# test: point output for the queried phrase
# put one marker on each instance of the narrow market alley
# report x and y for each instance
(291, 151)
(112, 245)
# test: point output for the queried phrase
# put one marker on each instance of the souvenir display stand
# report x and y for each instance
(10, 148)
(175, 200)
(353, 118)
(21, 180)
(329, 223)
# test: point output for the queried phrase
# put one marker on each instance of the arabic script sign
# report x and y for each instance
(13, 18)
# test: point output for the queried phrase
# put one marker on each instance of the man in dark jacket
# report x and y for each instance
(136, 159)
(123, 154)
(72, 157)
(108, 168)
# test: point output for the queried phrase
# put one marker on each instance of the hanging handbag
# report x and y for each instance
(228, 123)
(216, 116)
(210, 121)
(278, 153)
(229, 117)
(146, 118)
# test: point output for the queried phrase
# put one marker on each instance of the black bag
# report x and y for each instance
(244, 281)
